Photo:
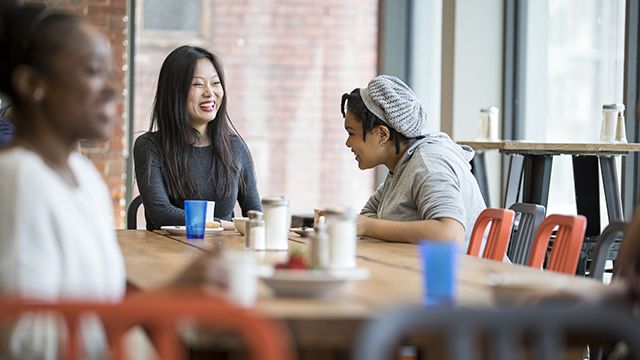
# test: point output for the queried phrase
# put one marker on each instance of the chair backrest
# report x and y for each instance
(614, 231)
(132, 213)
(567, 244)
(527, 219)
(162, 314)
(541, 332)
(498, 239)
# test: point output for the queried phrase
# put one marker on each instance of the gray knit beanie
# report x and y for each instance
(388, 98)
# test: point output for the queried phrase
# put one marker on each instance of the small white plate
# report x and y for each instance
(311, 283)
(182, 230)
(303, 231)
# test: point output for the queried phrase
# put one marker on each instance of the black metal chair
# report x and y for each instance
(132, 213)
(526, 222)
(543, 332)
(612, 233)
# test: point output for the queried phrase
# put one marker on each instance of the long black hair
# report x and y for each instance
(175, 135)
(354, 104)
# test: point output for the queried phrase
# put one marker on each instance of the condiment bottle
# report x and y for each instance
(621, 133)
(341, 226)
(276, 222)
(609, 119)
(319, 250)
(255, 232)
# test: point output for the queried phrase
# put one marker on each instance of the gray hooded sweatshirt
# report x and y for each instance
(432, 180)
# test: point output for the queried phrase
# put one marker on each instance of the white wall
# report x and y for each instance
(426, 53)
(477, 74)
(478, 55)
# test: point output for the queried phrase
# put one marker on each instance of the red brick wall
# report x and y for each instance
(287, 64)
(109, 16)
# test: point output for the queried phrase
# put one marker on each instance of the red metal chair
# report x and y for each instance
(566, 247)
(160, 313)
(499, 233)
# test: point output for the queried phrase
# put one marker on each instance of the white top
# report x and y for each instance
(56, 241)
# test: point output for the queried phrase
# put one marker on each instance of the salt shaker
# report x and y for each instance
(621, 133)
(484, 124)
(255, 232)
(319, 250)
(489, 123)
(341, 226)
(276, 222)
(609, 119)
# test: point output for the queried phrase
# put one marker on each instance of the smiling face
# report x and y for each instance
(205, 94)
(368, 151)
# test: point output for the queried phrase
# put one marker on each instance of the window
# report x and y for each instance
(574, 64)
(286, 66)
(171, 15)
(168, 23)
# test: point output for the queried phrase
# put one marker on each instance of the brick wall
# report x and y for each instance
(287, 64)
(110, 17)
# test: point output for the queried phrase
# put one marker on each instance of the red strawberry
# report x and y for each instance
(297, 266)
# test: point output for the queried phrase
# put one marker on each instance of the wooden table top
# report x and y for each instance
(152, 259)
(552, 148)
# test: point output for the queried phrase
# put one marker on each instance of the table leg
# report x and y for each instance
(611, 189)
(537, 176)
(512, 183)
(585, 181)
(479, 171)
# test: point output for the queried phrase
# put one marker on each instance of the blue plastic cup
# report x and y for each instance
(195, 218)
(439, 267)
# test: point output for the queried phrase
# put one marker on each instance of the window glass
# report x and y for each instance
(286, 69)
(180, 15)
(574, 64)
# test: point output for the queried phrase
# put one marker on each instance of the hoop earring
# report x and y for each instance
(38, 94)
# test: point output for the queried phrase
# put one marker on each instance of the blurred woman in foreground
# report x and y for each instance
(58, 239)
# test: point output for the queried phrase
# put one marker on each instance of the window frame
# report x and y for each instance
(162, 38)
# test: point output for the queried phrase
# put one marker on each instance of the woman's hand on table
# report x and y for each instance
(363, 222)
(227, 225)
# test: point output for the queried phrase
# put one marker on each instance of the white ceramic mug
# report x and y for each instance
(238, 269)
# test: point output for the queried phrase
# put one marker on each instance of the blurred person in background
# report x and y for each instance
(192, 150)
(429, 192)
(7, 129)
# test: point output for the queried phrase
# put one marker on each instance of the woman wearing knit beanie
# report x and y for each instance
(429, 192)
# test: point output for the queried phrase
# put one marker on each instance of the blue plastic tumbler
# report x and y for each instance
(195, 212)
(439, 267)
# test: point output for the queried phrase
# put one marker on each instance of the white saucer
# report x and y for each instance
(311, 283)
(303, 231)
(182, 230)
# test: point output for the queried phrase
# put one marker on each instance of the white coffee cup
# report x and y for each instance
(211, 207)
(239, 271)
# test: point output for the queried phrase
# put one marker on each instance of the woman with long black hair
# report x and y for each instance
(192, 151)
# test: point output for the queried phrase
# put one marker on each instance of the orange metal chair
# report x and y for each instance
(567, 246)
(160, 313)
(499, 233)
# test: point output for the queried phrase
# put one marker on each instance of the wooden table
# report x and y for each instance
(154, 258)
(529, 174)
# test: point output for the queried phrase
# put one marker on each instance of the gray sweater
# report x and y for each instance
(432, 180)
(159, 210)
